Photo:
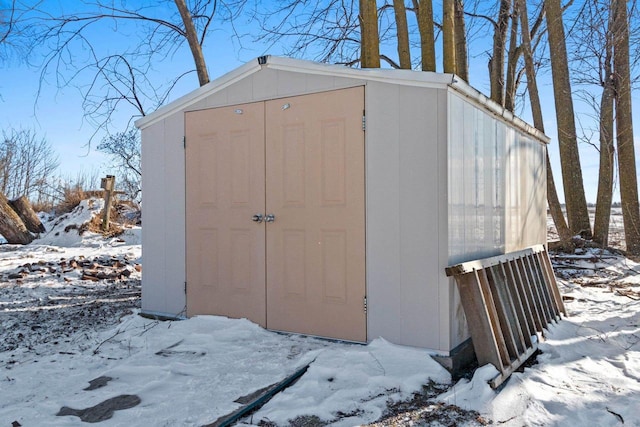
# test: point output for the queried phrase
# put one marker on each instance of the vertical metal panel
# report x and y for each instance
(241, 93)
(174, 212)
(451, 320)
(382, 152)
(494, 199)
(500, 188)
(485, 186)
(153, 237)
(419, 187)
(456, 178)
(163, 234)
(405, 287)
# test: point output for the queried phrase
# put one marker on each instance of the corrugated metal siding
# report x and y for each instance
(497, 198)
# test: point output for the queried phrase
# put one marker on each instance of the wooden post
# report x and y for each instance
(108, 184)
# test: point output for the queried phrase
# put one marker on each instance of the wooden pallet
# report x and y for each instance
(508, 300)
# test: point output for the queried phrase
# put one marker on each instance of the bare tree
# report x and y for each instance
(326, 30)
(591, 44)
(7, 18)
(404, 53)
(536, 111)
(513, 55)
(448, 36)
(496, 66)
(462, 64)
(124, 150)
(624, 128)
(569, 157)
(15, 36)
(7, 26)
(122, 77)
(195, 44)
(424, 12)
(27, 164)
(370, 40)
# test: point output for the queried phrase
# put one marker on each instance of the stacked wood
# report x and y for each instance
(12, 227)
(23, 208)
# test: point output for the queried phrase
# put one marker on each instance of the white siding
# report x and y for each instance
(405, 178)
(163, 218)
(154, 225)
(497, 196)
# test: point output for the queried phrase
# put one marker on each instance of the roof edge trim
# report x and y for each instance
(468, 91)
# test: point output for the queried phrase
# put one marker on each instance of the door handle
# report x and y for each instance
(257, 218)
(270, 218)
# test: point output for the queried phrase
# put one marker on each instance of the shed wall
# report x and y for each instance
(163, 216)
(406, 177)
(497, 191)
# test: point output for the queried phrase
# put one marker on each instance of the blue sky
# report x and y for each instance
(58, 114)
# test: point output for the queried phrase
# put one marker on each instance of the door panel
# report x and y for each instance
(225, 168)
(315, 189)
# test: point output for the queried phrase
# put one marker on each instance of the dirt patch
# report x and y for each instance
(98, 383)
(103, 410)
(423, 410)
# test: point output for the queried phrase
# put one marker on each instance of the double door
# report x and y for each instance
(276, 213)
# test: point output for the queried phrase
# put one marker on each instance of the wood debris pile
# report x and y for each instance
(110, 269)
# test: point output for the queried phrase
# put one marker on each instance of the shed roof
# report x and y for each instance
(400, 77)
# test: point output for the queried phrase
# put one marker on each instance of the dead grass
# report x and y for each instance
(72, 197)
(95, 226)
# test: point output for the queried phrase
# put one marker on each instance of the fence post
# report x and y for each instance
(108, 184)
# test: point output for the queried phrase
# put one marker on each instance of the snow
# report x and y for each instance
(62, 327)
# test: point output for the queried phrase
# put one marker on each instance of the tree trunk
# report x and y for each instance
(11, 226)
(424, 10)
(462, 67)
(194, 43)
(569, 157)
(369, 39)
(607, 152)
(512, 62)
(23, 208)
(448, 36)
(404, 54)
(496, 67)
(555, 208)
(624, 129)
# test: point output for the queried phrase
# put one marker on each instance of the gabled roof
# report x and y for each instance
(401, 77)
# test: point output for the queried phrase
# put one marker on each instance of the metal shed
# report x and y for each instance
(327, 200)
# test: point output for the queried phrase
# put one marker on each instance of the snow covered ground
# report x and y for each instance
(68, 316)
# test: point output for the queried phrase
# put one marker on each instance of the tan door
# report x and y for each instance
(315, 191)
(225, 169)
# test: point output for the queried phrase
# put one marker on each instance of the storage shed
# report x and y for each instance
(326, 200)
